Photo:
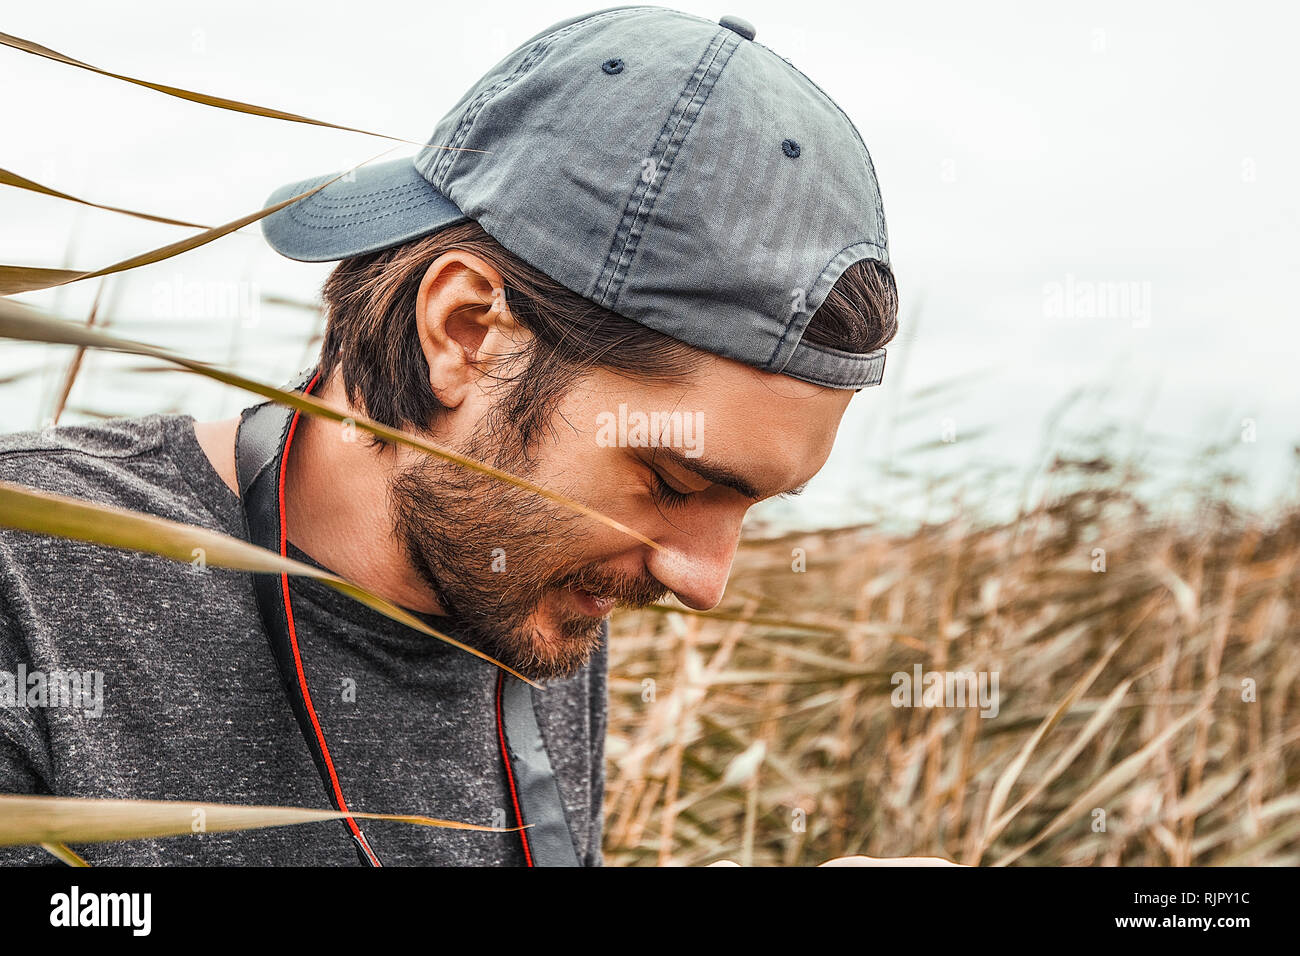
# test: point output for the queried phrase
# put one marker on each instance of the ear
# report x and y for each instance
(463, 324)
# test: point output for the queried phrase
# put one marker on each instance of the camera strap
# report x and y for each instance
(262, 442)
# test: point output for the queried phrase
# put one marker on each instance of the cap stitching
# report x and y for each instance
(628, 235)
(839, 353)
(375, 192)
(349, 222)
(358, 202)
(364, 199)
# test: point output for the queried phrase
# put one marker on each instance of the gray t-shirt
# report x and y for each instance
(192, 704)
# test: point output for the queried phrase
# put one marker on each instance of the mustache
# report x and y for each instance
(627, 590)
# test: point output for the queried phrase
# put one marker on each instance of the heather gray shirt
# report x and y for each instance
(192, 705)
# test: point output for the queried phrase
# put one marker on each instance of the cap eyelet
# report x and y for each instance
(790, 148)
(612, 66)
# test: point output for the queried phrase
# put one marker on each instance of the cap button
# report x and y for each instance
(743, 27)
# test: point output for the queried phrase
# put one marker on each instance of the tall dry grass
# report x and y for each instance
(1121, 694)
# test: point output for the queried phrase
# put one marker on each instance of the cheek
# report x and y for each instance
(608, 480)
(565, 455)
(603, 479)
(611, 550)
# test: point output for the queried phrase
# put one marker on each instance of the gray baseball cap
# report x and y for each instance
(665, 167)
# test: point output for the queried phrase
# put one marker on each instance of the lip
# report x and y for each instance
(589, 604)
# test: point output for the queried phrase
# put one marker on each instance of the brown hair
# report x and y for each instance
(369, 306)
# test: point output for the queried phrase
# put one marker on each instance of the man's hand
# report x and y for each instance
(872, 861)
(889, 861)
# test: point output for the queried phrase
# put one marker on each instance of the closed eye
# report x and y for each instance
(665, 494)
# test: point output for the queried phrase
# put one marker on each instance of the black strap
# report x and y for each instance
(259, 454)
(260, 442)
(547, 841)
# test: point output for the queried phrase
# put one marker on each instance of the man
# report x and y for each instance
(642, 264)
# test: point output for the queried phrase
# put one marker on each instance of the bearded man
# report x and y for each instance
(638, 212)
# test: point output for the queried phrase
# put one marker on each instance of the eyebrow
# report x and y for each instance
(718, 474)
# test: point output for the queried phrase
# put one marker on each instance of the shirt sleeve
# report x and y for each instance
(22, 743)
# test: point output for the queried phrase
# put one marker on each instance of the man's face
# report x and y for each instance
(529, 581)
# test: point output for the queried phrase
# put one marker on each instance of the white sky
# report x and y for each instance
(1017, 144)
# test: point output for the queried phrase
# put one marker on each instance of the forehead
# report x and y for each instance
(776, 430)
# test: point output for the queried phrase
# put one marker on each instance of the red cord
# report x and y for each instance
(293, 640)
(510, 776)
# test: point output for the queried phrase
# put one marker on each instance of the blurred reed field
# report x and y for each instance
(1147, 712)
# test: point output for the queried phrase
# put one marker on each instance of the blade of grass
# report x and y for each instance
(1064, 759)
(1115, 777)
(44, 513)
(64, 853)
(26, 324)
(27, 820)
(735, 616)
(15, 279)
(1276, 838)
(75, 365)
(8, 178)
(220, 102)
(1002, 789)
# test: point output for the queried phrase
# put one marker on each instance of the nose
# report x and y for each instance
(694, 563)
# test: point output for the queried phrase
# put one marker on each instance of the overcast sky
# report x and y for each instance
(1034, 159)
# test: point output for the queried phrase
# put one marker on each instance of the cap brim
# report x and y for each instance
(378, 206)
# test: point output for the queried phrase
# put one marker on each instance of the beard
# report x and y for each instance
(492, 553)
